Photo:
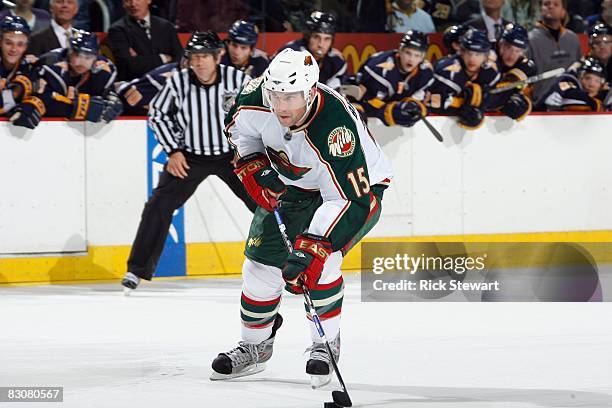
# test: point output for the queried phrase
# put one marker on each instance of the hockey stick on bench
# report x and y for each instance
(340, 398)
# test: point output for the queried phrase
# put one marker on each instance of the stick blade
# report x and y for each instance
(341, 398)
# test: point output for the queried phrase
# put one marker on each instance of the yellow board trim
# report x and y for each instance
(108, 263)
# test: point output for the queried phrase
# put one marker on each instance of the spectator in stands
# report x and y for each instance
(513, 66)
(318, 39)
(392, 85)
(551, 45)
(452, 37)
(141, 42)
(462, 81)
(77, 84)
(59, 32)
(582, 93)
(490, 19)
(37, 19)
(404, 15)
(240, 51)
(16, 73)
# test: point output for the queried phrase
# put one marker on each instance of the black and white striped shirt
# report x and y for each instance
(186, 115)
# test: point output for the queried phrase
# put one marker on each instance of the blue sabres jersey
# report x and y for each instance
(57, 75)
(383, 79)
(58, 86)
(520, 71)
(332, 66)
(16, 84)
(451, 77)
(567, 94)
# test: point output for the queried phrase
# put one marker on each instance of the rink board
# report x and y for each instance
(72, 206)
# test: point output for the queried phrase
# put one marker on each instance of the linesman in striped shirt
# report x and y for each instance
(187, 118)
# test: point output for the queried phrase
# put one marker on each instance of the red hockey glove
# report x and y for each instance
(306, 261)
(260, 179)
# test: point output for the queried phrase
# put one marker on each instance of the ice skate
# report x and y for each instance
(129, 282)
(319, 364)
(246, 359)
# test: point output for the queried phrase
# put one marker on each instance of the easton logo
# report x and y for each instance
(341, 142)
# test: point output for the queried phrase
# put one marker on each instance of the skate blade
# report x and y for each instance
(215, 376)
(127, 291)
(318, 381)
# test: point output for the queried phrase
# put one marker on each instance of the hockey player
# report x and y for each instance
(78, 85)
(240, 51)
(394, 83)
(136, 95)
(513, 66)
(462, 81)
(600, 43)
(318, 40)
(301, 142)
(16, 73)
(581, 93)
(452, 36)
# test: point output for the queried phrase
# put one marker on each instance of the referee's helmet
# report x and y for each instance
(203, 42)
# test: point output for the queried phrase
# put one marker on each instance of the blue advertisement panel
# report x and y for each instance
(173, 260)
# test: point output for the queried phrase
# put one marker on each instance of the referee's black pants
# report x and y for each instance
(170, 194)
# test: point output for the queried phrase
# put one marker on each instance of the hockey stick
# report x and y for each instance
(536, 78)
(433, 130)
(340, 398)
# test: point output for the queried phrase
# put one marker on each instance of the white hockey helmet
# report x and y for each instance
(291, 71)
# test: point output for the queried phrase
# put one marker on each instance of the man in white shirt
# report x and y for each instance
(405, 15)
(58, 33)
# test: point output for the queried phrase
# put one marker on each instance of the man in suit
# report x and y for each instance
(490, 19)
(141, 42)
(59, 32)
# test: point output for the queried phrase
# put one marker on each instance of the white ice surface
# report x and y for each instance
(154, 349)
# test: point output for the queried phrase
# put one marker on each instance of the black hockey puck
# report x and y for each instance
(330, 405)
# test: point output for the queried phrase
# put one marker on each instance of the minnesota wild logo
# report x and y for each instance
(341, 142)
(283, 165)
